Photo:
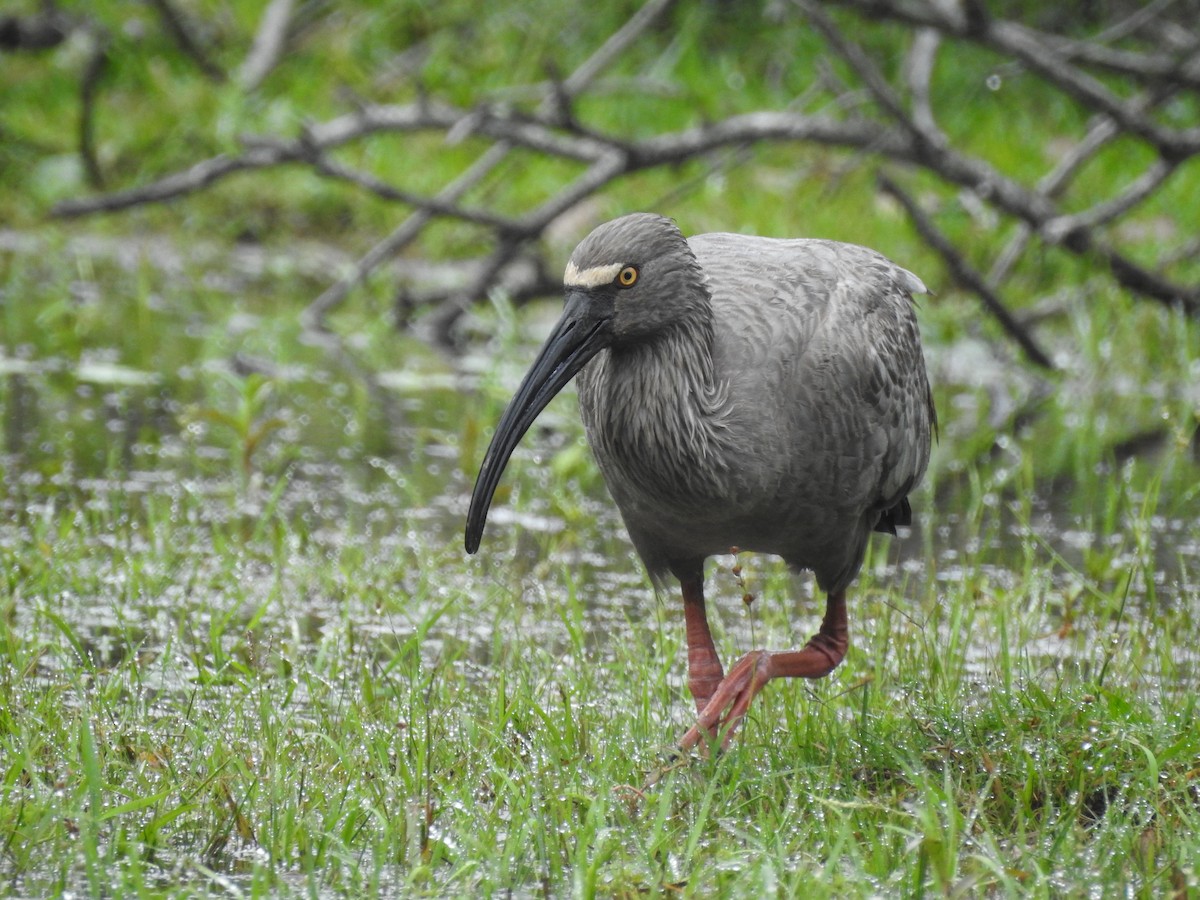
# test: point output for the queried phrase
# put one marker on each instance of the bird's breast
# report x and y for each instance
(659, 433)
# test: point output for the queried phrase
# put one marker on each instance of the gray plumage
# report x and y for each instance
(737, 391)
(762, 394)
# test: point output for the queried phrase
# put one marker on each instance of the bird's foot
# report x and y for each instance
(728, 705)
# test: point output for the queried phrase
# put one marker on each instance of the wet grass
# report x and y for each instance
(286, 712)
(243, 653)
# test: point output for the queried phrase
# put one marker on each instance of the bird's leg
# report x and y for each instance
(704, 667)
(820, 656)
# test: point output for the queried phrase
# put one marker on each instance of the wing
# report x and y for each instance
(820, 340)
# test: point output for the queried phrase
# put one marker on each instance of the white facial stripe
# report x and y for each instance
(590, 278)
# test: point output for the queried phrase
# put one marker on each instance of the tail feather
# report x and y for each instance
(900, 514)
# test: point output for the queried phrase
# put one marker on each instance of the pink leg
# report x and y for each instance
(729, 703)
(704, 667)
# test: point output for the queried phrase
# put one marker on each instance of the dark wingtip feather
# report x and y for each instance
(900, 514)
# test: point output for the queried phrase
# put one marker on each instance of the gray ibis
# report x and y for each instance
(737, 391)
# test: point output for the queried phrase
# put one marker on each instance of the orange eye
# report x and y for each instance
(627, 277)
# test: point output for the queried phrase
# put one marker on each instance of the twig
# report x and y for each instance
(1155, 68)
(179, 31)
(268, 44)
(1025, 44)
(552, 130)
(625, 36)
(1054, 183)
(1134, 22)
(522, 278)
(965, 274)
(93, 71)
(1057, 229)
(883, 93)
(1103, 131)
(1135, 277)
(531, 132)
(314, 315)
(587, 184)
(964, 22)
(500, 224)
(1176, 255)
(199, 176)
(921, 57)
(442, 323)
(1045, 55)
(615, 158)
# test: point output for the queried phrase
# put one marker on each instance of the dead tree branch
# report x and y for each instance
(269, 44)
(181, 33)
(408, 230)
(93, 71)
(873, 115)
(46, 29)
(965, 274)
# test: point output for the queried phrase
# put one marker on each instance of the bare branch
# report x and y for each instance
(429, 115)
(1156, 67)
(1138, 278)
(884, 120)
(625, 36)
(1057, 229)
(452, 308)
(966, 23)
(876, 83)
(1024, 44)
(314, 315)
(1134, 22)
(93, 71)
(666, 149)
(523, 277)
(965, 274)
(921, 57)
(622, 39)
(268, 46)
(1185, 251)
(265, 152)
(1040, 54)
(198, 177)
(180, 32)
(500, 224)
(534, 224)
(1055, 182)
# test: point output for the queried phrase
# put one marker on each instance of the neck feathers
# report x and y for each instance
(655, 410)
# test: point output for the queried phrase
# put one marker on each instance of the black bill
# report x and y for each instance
(581, 333)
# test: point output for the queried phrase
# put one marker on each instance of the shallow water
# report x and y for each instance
(385, 481)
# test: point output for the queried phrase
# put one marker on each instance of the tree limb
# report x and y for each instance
(965, 274)
(93, 71)
(884, 121)
(1057, 229)
(268, 46)
(180, 32)
(622, 39)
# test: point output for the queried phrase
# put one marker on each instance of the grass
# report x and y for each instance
(243, 653)
(343, 714)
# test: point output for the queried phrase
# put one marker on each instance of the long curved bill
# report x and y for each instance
(578, 335)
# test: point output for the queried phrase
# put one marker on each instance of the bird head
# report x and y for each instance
(628, 281)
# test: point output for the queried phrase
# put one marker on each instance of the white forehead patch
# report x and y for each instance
(590, 278)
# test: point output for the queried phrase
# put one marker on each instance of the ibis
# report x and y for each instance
(737, 392)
